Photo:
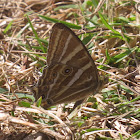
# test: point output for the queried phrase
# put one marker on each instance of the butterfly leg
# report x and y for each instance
(77, 103)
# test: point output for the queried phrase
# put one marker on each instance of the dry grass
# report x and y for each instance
(113, 114)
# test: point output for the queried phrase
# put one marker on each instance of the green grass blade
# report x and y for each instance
(66, 7)
(123, 55)
(8, 27)
(36, 35)
(70, 25)
(107, 25)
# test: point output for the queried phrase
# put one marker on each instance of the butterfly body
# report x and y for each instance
(71, 74)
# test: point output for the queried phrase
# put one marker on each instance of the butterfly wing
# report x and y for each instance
(71, 74)
(65, 47)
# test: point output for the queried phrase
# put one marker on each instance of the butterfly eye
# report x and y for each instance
(67, 71)
(43, 96)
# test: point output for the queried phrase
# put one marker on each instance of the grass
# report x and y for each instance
(110, 31)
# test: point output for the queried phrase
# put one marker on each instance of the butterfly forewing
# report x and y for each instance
(65, 47)
(71, 74)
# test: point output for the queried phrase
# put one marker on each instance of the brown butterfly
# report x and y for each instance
(71, 74)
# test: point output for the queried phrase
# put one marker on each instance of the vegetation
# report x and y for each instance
(111, 32)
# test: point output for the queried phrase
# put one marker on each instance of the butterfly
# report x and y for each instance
(71, 74)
